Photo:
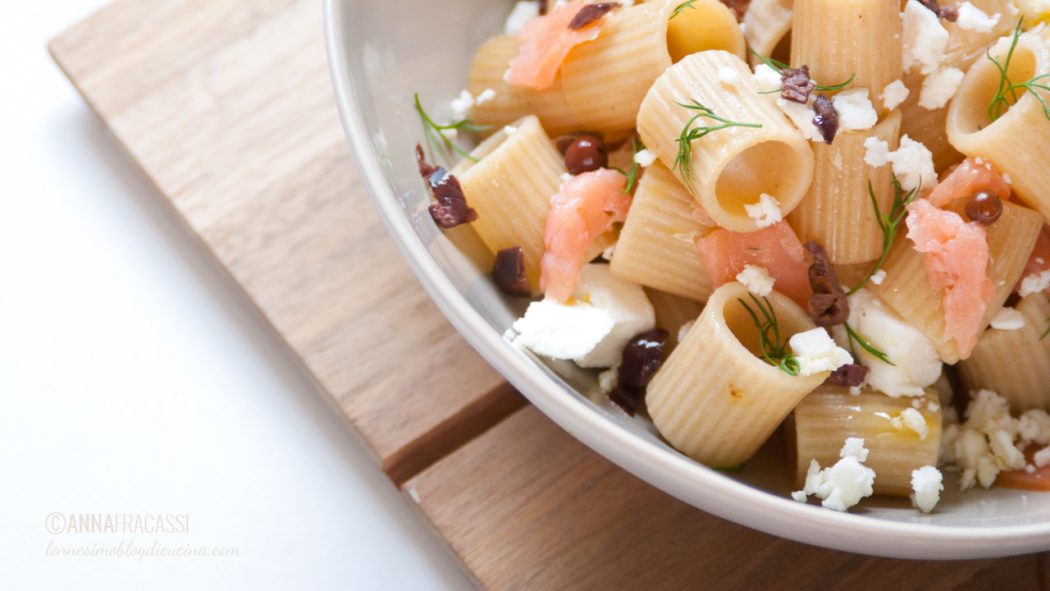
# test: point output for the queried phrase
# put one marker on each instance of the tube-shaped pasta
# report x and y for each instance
(511, 103)
(825, 418)
(657, 246)
(926, 126)
(967, 45)
(907, 288)
(606, 79)
(732, 167)
(841, 39)
(837, 212)
(510, 186)
(714, 398)
(1015, 363)
(1018, 142)
(672, 312)
(766, 24)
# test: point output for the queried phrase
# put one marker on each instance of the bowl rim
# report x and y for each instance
(669, 471)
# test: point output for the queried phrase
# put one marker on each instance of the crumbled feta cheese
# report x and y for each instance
(802, 117)
(912, 420)
(855, 390)
(876, 152)
(1034, 283)
(916, 364)
(509, 129)
(878, 276)
(933, 406)
(645, 157)
(1008, 319)
(728, 77)
(974, 19)
(927, 483)
(985, 445)
(766, 79)
(925, 39)
(913, 163)
(1034, 426)
(684, 330)
(523, 12)
(1042, 457)
(1030, 469)
(817, 352)
(894, 94)
(939, 87)
(855, 110)
(564, 178)
(843, 485)
(609, 379)
(766, 212)
(757, 280)
(486, 95)
(461, 105)
(608, 312)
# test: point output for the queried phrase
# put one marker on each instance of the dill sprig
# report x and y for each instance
(690, 134)
(632, 173)
(779, 67)
(854, 337)
(1047, 331)
(688, 4)
(773, 348)
(1000, 103)
(888, 223)
(438, 142)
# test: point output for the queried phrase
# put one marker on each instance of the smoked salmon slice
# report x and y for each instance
(968, 179)
(777, 248)
(585, 208)
(955, 254)
(545, 42)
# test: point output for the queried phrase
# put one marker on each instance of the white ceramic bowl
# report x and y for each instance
(380, 54)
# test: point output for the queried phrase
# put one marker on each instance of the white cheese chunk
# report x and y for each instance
(916, 364)
(461, 105)
(1008, 319)
(989, 442)
(911, 420)
(1034, 283)
(939, 87)
(1042, 457)
(926, 483)
(925, 39)
(802, 117)
(878, 276)
(766, 79)
(894, 94)
(728, 77)
(607, 313)
(913, 164)
(645, 158)
(843, 485)
(817, 352)
(876, 152)
(766, 212)
(486, 95)
(757, 280)
(855, 110)
(974, 19)
(523, 12)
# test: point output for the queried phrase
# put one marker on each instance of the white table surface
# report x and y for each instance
(136, 380)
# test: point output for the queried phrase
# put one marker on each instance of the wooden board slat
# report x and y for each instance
(526, 506)
(227, 106)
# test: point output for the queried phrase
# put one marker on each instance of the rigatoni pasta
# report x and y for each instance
(729, 170)
(657, 246)
(838, 211)
(901, 434)
(1015, 361)
(767, 26)
(513, 212)
(714, 399)
(509, 103)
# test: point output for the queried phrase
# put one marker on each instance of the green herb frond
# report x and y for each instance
(1006, 93)
(1047, 331)
(441, 145)
(688, 4)
(854, 337)
(632, 173)
(773, 349)
(690, 134)
(889, 223)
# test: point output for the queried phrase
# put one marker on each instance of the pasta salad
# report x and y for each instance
(824, 216)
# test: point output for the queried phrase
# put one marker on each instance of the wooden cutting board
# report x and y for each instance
(226, 106)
